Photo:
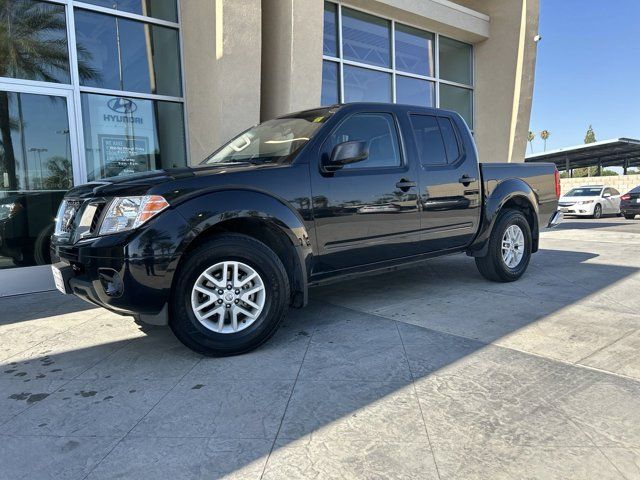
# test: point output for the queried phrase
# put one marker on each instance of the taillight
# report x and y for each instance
(626, 196)
(556, 174)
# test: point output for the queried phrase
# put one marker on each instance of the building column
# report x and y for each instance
(222, 61)
(505, 67)
(291, 55)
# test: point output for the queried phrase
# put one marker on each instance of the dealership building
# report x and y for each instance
(96, 88)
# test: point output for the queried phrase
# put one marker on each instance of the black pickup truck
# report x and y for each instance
(221, 250)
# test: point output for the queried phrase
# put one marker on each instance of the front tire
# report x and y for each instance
(254, 299)
(597, 211)
(509, 248)
(629, 216)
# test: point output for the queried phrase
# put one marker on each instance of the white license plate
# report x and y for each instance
(564, 210)
(637, 200)
(58, 280)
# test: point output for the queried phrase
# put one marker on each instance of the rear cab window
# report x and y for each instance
(436, 139)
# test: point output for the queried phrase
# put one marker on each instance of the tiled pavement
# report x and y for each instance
(429, 372)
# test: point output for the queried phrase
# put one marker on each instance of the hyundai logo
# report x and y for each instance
(122, 105)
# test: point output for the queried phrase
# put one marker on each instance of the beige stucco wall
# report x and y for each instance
(250, 60)
(291, 55)
(505, 67)
(622, 183)
(222, 57)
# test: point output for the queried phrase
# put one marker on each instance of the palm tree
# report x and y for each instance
(33, 45)
(530, 139)
(544, 135)
(60, 172)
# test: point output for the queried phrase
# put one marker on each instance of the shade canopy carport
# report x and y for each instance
(618, 152)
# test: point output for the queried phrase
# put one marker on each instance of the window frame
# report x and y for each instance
(403, 167)
(341, 61)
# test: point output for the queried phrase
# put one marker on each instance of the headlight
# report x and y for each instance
(127, 213)
(8, 210)
(585, 202)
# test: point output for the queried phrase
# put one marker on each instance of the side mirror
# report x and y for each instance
(606, 195)
(345, 153)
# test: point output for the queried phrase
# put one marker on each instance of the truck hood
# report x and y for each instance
(140, 183)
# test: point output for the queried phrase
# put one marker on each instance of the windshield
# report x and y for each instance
(584, 192)
(274, 141)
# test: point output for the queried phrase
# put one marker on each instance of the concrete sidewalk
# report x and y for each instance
(430, 372)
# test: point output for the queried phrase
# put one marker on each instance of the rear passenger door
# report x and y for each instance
(449, 180)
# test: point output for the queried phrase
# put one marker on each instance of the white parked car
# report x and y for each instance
(590, 201)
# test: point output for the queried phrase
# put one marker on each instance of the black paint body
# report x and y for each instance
(327, 225)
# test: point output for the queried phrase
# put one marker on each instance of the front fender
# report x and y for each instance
(210, 209)
(497, 197)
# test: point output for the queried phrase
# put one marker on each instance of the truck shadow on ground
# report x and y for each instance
(372, 364)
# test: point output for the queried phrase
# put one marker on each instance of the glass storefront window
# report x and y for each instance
(35, 172)
(364, 85)
(414, 91)
(128, 55)
(414, 50)
(129, 135)
(370, 75)
(330, 85)
(365, 38)
(35, 46)
(330, 39)
(162, 9)
(459, 100)
(455, 61)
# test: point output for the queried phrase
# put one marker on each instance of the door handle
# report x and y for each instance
(466, 180)
(405, 185)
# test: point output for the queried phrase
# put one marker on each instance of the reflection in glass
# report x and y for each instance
(129, 55)
(364, 85)
(330, 39)
(33, 41)
(366, 38)
(124, 136)
(414, 50)
(330, 84)
(162, 9)
(35, 172)
(413, 91)
(455, 61)
(459, 100)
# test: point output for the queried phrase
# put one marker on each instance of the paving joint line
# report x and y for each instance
(286, 407)
(533, 354)
(413, 385)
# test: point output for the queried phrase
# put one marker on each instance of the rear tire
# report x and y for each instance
(215, 337)
(493, 266)
(629, 217)
(597, 211)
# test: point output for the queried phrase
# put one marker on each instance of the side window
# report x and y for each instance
(607, 191)
(379, 131)
(614, 191)
(429, 140)
(450, 140)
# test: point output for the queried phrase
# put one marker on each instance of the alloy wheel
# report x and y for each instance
(228, 297)
(512, 246)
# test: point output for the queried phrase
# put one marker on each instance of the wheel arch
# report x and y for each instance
(257, 215)
(512, 193)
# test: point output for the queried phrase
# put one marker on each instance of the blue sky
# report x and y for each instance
(587, 71)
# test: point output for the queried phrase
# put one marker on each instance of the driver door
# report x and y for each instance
(365, 212)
